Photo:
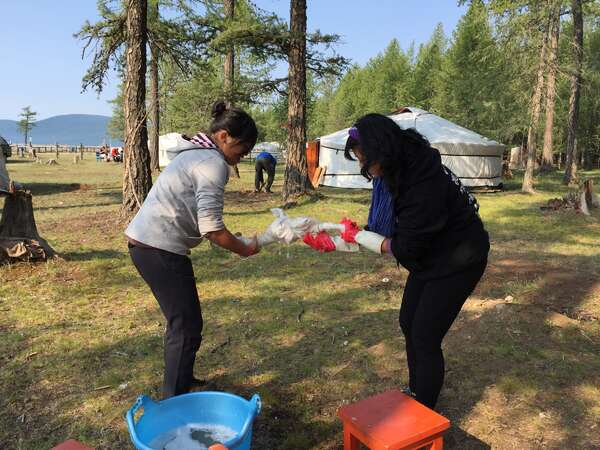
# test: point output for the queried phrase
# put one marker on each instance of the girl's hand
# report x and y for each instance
(242, 246)
(251, 245)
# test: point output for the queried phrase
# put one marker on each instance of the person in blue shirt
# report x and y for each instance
(264, 162)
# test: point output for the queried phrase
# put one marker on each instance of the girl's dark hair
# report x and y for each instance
(395, 149)
(235, 121)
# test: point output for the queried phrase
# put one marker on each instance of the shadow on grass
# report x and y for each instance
(52, 188)
(20, 161)
(92, 255)
(304, 371)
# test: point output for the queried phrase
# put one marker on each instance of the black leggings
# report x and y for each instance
(268, 166)
(171, 279)
(427, 312)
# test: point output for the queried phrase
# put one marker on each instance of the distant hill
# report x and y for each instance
(70, 129)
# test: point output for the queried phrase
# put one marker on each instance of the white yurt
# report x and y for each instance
(169, 145)
(475, 159)
(274, 148)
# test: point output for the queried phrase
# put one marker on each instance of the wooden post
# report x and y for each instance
(57, 151)
(81, 151)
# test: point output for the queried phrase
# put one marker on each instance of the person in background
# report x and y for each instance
(184, 207)
(437, 236)
(267, 163)
(114, 153)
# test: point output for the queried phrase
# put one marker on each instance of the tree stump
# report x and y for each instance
(581, 201)
(19, 237)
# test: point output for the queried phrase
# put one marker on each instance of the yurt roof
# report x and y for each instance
(447, 136)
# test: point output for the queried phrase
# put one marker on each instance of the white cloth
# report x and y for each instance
(286, 229)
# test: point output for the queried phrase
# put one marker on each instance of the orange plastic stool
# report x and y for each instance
(392, 421)
(71, 444)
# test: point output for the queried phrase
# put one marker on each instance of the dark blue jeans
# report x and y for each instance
(171, 279)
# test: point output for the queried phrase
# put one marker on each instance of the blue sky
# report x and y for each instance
(41, 65)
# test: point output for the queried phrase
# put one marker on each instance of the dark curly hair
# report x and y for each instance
(383, 141)
(236, 122)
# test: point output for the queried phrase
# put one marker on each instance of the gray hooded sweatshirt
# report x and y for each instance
(185, 203)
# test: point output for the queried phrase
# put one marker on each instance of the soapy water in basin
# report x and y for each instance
(193, 436)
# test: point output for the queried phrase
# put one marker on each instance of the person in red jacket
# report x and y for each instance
(437, 236)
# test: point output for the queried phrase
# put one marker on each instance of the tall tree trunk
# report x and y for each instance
(153, 20)
(296, 170)
(154, 110)
(137, 178)
(229, 68)
(536, 104)
(554, 31)
(571, 163)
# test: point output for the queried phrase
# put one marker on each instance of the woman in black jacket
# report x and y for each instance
(438, 237)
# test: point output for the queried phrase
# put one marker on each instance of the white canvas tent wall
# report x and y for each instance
(475, 159)
(4, 179)
(169, 145)
(163, 143)
(171, 140)
(274, 148)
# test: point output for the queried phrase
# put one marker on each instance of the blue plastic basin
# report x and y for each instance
(219, 408)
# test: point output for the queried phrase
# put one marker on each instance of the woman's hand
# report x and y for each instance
(372, 241)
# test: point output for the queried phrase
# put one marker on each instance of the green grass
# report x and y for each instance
(71, 326)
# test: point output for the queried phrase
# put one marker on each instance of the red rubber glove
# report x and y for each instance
(349, 233)
(320, 241)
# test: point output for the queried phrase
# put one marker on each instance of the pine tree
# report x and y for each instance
(27, 122)
(427, 67)
(468, 87)
(387, 80)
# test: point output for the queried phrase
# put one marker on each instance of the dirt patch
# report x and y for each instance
(557, 287)
(106, 223)
(245, 198)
